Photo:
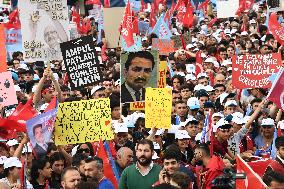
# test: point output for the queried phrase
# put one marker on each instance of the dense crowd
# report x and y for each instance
(244, 122)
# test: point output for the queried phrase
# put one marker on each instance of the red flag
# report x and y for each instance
(276, 29)
(276, 93)
(244, 6)
(93, 2)
(14, 20)
(135, 25)
(143, 6)
(211, 23)
(203, 6)
(199, 58)
(252, 180)
(153, 19)
(260, 166)
(107, 166)
(127, 26)
(3, 64)
(244, 27)
(188, 17)
(83, 28)
(106, 3)
(24, 112)
(181, 10)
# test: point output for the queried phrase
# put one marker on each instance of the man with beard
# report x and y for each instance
(137, 72)
(70, 177)
(144, 173)
(212, 166)
(94, 170)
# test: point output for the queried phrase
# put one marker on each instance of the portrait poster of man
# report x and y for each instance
(40, 130)
(138, 71)
(44, 26)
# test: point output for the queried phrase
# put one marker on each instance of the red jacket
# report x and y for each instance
(213, 169)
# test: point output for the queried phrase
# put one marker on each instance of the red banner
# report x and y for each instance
(276, 93)
(276, 29)
(254, 70)
(3, 64)
(252, 180)
(165, 46)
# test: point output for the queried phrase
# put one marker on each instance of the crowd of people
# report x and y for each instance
(244, 123)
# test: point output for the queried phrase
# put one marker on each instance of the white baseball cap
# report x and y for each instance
(17, 88)
(199, 87)
(281, 124)
(96, 88)
(222, 97)
(202, 74)
(218, 114)
(226, 62)
(267, 121)
(182, 134)
(158, 133)
(190, 77)
(221, 122)
(120, 128)
(12, 142)
(2, 159)
(193, 103)
(231, 103)
(156, 146)
(12, 162)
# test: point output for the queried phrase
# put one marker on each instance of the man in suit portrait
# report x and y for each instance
(137, 73)
(40, 146)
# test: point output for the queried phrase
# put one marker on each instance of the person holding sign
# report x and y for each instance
(137, 72)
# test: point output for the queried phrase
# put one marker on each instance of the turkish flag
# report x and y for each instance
(244, 6)
(260, 166)
(276, 93)
(276, 29)
(14, 20)
(127, 26)
(252, 180)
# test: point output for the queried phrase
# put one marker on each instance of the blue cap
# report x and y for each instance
(15, 76)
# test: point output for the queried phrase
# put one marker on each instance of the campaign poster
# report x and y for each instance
(44, 26)
(139, 70)
(40, 129)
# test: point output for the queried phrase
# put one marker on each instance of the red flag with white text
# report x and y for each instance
(276, 29)
(127, 26)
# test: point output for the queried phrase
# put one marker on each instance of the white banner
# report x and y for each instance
(44, 26)
(227, 8)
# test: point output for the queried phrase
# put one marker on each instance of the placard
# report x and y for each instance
(137, 105)
(165, 46)
(136, 47)
(135, 80)
(13, 42)
(227, 8)
(162, 74)
(44, 26)
(81, 62)
(40, 129)
(143, 27)
(158, 107)
(254, 70)
(112, 24)
(7, 90)
(83, 121)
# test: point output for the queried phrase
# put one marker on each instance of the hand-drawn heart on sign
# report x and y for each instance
(81, 62)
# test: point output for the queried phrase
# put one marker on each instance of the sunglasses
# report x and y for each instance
(81, 150)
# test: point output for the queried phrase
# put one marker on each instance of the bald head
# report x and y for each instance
(219, 79)
(124, 157)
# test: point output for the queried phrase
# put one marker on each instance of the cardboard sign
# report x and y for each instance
(165, 46)
(112, 24)
(137, 105)
(81, 62)
(7, 90)
(44, 26)
(83, 121)
(3, 64)
(254, 70)
(13, 41)
(177, 41)
(40, 130)
(158, 107)
(162, 74)
(227, 8)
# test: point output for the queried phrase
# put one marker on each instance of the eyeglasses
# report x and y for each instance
(81, 150)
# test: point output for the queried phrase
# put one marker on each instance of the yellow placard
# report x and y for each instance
(162, 74)
(83, 121)
(158, 107)
(137, 105)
